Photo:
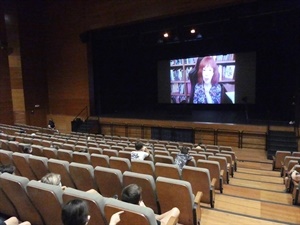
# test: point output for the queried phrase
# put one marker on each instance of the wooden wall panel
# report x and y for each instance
(6, 109)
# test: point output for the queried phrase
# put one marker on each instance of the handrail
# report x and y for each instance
(84, 109)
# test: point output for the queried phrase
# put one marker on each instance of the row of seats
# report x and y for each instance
(41, 204)
(285, 161)
(108, 180)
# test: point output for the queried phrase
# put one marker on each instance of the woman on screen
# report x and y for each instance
(207, 90)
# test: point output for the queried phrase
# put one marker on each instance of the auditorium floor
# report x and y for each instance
(255, 195)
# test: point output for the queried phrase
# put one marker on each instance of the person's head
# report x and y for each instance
(184, 150)
(7, 169)
(75, 212)
(208, 71)
(139, 145)
(52, 178)
(132, 194)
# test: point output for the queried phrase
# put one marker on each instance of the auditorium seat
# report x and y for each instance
(163, 159)
(147, 183)
(125, 154)
(37, 150)
(200, 180)
(233, 156)
(109, 181)
(178, 193)
(109, 152)
(82, 157)
(161, 152)
(21, 162)
(6, 206)
(47, 199)
(285, 165)
(94, 201)
(5, 157)
(133, 214)
(117, 147)
(50, 153)
(39, 165)
(144, 167)
(14, 146)
(96, 150)
(15, 188)
(214, 171)
(67, 146)
(167, 170)
(229, 162)
(119, 163)
(61, 167)
(64, 154)
(278, 159)
(225, 148)
(223, 166)
(99, 160)
(83, 176)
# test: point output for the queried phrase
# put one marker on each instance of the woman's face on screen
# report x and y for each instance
(207, 74)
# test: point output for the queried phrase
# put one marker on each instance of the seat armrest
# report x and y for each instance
(222, 173)
(172, 221)
(198, 197)
(198, 208)
(213, 182)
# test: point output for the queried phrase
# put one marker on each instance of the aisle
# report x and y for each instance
(255, 195)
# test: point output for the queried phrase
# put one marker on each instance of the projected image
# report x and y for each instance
(203, 80)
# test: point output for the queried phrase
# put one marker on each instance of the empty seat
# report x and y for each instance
(96, 150)
(37, 150)
(109, 181)
(15, 188)
(61, 167)
(233, 156)
(99, 160)
(121, 164)
(201, 181)
(67, 146)
(14, 146)
(6, 206)
(145, 167)
(50, 153)
(163, 159)
(125, 154)
(64, 154)
(117, 147)
(21, 162)
(147, 183)
(47, 199)
(161, 152)
(167, 170)
(5, 157)
(278, 159)
(83, 176)
(223, 166)
(39, 165)
(94, 201)
(214, 171)
(178, 193)
(110, 152)
(229, 162)
(82, 157)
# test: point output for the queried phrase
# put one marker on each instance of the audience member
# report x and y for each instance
(51, 124)
(13, 221)
(7, 168)
(141, 151)
(55, 179)
(76, 212)
(292, 175)
(133, 194)
(183, 157)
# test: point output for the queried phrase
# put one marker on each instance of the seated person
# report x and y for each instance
(292, 175)
(13, 221)
(76, 212)
(183, 157)
(55, 179)
(141, 151)
(7, 168)
(133, 194)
